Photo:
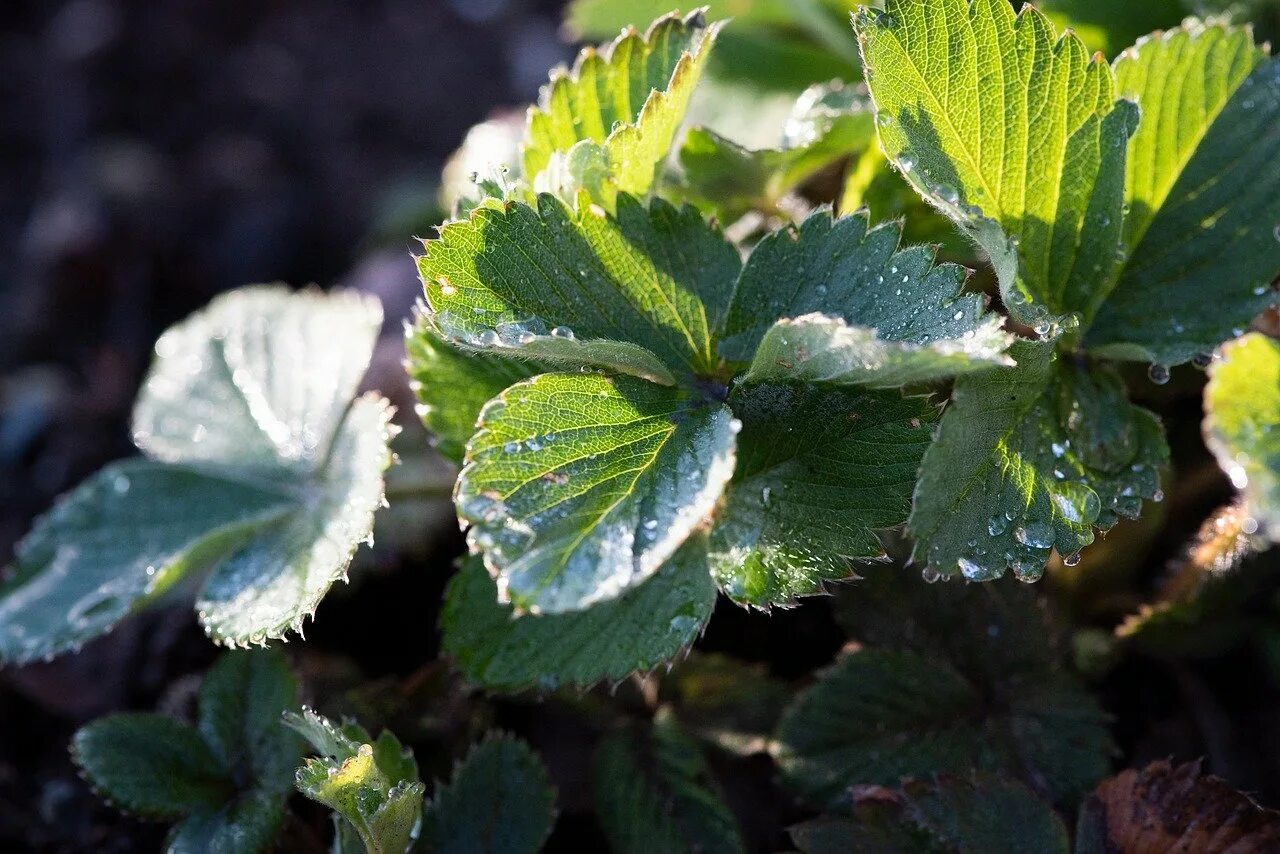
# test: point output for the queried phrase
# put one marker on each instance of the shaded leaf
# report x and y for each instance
(819, 471)
(579, 486)
(1163, 808)
(638, 294)
(1028, 459)
(500, 801)
(1015, 134)
(645, 626)
(151, 765)
(724, 701)
(453, 385)
(1203, 201)
(1242, 411)
(248, 822)
(653, 792)
(606, 125)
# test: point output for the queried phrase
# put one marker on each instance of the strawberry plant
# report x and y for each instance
(934, 320)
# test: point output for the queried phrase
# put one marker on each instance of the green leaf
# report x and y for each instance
(263, 472)
(957, 679)
(607, 125)
(965, 815)
(500, 801)
(1204, 200)
(578, 487)
(829, 122)
(121, 538)
(819, 470)
(1242, 411)
(654, 792)
(374, 787)
(1028, 459)
(241, 701)
(639, 293)
(645, 626)
(729, 703)
(268, 586)
(247, 823)
(1016, 135)
(453, 385)
(151, 765)
(844, 269)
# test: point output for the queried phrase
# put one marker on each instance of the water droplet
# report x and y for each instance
(1072, 559)
(120, 484)
(1158, 373)
(1275, 232)
(1202, 360)
(1028, 572)
(959, 315)
(735, 426)
(1158, 496)
(1037, 535)
(976, 571)
(948, 194)
(511, 447)
(1058, 449)
(930, 574)
(562, 332)
(488, 338)
(997, 525)
(907, 162)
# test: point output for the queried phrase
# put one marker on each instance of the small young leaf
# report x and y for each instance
(453, 385)
(847, 270)
(123, 536)
(151, 765)
(579, 486)
(1163, 808)
(829, 122)
(607, 125)
(1028, 459)
(819, 470)
(1242, 411)
(248, 822)
(500, 801)
(1016, 135)
(241, 701)
(654, 792)
(637, 294)
(264, 473)
(1203, 199)
(645, 626)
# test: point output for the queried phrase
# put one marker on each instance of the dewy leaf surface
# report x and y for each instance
(578, 487)
(654, 792)
(500, 801)
(452, 385)
(819, 471)
(857, 275)
(1012, 132)
(1028, 459)
(638, 294)
(1242, 423)
(263, 471)
(1203, 195)
(606, 125)
(645, 626)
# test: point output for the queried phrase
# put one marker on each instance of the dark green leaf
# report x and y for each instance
(500, 801)
(639, 630)
(248, 823)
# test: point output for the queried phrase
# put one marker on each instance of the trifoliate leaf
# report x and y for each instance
(241, 701)
(654, 792)
(1202, 197)
(578, 487)
(453, 385)
(956, 679)
(1242, 423)
(846, 270)
(829, 122)
(637, 294)
(266, 587)
(819, 471)
(647, 625)
(500, 801)
(247, 823)
(605, 126)
(373, 786)
(1163, 808)
(119, 539)
(1028, 459)
(1013, 133)
(151, 765)
(264, 471)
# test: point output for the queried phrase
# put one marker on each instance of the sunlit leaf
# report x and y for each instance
(578, 487)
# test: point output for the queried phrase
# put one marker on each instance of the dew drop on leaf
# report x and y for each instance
(562, 332)
(1159, 374)
(1072, 559)
(930, 575)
